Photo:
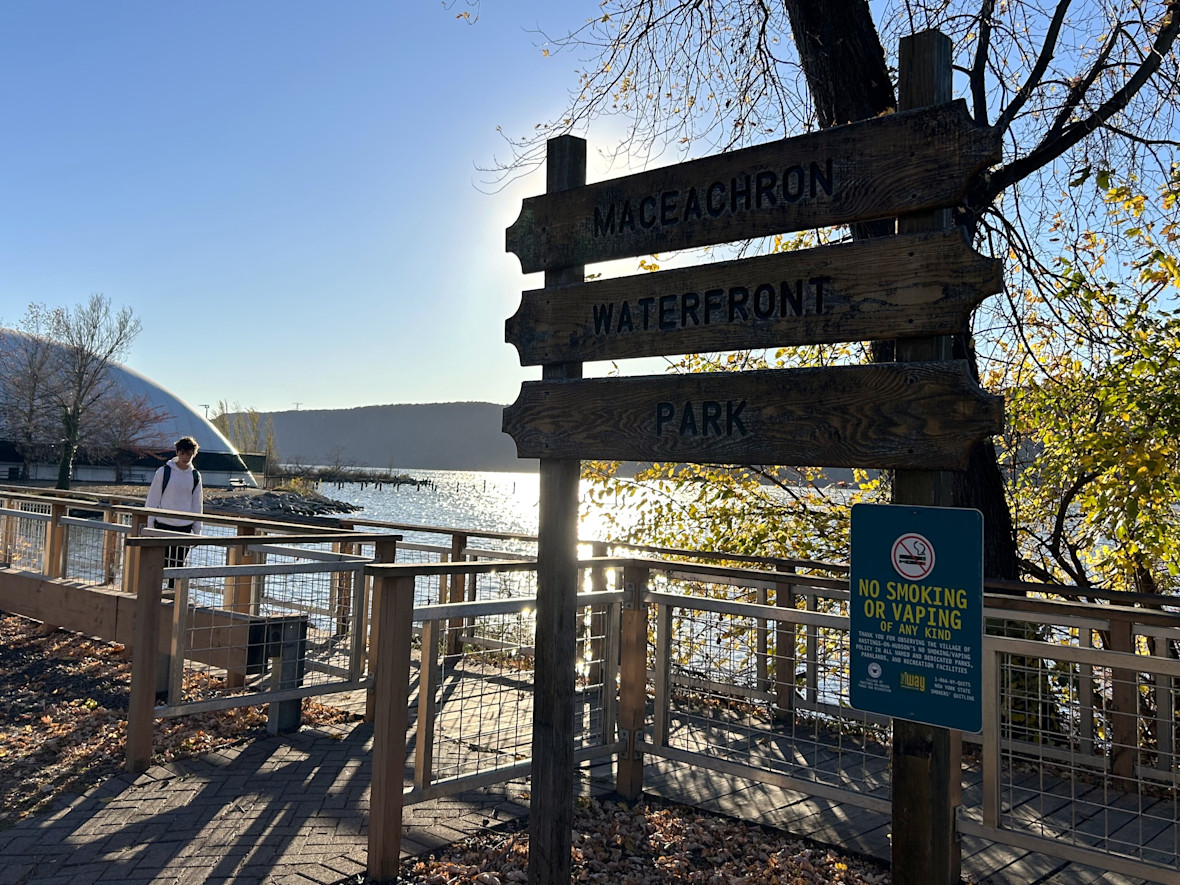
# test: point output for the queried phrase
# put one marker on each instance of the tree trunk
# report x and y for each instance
(844, 64)
(842, 59)
(981, 486)
(70, 426)
(65, 467)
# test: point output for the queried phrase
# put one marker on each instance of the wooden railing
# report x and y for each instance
(1109, 667)
(794, 690)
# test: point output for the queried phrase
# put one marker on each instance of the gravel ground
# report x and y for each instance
(652, 843)
(63, 718)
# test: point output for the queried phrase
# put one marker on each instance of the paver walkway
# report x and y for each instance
(291, 809)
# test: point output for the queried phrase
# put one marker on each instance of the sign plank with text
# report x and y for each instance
(919, 415)
(879, 168)
(893, 287)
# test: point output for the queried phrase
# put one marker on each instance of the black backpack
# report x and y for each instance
(168, 476)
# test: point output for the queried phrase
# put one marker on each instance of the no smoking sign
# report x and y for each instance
(916, 619)
(912, 556)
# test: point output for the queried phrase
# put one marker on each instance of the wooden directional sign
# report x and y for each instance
(922, 416)
(893, 287)
(877, 168)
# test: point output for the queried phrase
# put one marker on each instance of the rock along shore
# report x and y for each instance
(282, 503)
(249, 502)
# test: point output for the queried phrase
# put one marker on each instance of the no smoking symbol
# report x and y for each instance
(913, 556)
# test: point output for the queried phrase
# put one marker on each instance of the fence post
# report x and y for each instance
(53, 562)
(131, 555)
(811, 649)
(238, 588)
(456, 589)
(785, 636)
(179, 645)
(239, 592)
(992, 790)
(428, 680)
(383, 551)
(393, 613)
(9, 523)
(632, 682)
(144, 656)
(762, 642)
(342, 591)
(597, 645)
(1124, 708)
(927, 780)
(1165, 710)
(110, 547)
(612, 629)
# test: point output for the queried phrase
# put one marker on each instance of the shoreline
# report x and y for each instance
(245, 502)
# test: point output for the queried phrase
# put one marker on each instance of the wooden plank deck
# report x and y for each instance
(865, 832)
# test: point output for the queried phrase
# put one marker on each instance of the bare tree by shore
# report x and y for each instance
(56, 370)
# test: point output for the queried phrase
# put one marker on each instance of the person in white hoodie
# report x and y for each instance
(177, 486)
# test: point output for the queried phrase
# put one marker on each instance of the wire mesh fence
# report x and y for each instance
(478, 708)
(263, 618)
(93, 545)
(23, 534)
(739, 682)
(1081, 745)
(1078, 759)
(476, 681)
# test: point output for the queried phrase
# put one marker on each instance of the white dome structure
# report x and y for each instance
(182, 420)
(219, 462)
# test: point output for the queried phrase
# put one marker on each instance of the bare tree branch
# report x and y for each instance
(1034, 78)
(979, 68)
(1080, 86)
(1050, 149)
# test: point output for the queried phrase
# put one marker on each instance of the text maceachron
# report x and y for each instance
(744, 193)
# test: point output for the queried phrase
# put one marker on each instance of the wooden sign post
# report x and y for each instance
(551, 804)
(926, 789)
(920, 416)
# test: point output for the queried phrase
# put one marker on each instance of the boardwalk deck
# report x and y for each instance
(858, 830)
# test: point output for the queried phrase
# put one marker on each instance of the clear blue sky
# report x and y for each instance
(284, 191)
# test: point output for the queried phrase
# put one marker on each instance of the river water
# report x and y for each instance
(474, 500)
(499, 502)
(460, 499)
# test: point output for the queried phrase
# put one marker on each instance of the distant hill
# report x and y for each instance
(436, 436)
